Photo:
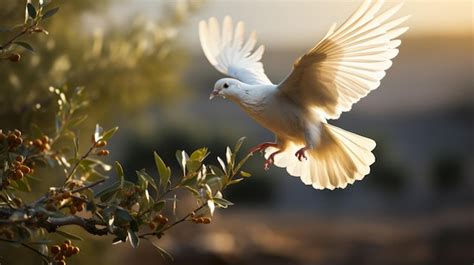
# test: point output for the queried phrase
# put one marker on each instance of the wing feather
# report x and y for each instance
(348, 62)
(229, 52)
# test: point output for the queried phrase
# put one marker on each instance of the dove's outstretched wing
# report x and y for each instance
(228, 53)
(347, 63)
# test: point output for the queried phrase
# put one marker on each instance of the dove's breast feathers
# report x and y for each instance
(276, 112)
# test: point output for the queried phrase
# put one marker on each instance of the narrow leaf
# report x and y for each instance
(159, 206)
(24, 45)
(163, 171)
(245, 174)
(108, 134)
(31, 10)
(146, 177)
(98, 132)
(211, 206)
(50, 12)
(228, 155)
(222, 164)
(119, 169)
(134, 240)
(239, 144)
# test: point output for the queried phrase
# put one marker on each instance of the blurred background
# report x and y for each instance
(141, 64)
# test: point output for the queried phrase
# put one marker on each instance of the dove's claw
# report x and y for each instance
(267, 164)
(301, 154)
(270, 160)
(261, 147)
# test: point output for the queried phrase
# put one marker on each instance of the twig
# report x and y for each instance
(173, 224)
(73, 170)
(44, 197)
(21, 33)
(88, 186)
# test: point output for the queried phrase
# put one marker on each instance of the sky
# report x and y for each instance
(285, 23)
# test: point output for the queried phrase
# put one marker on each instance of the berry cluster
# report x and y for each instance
(13, 139)
(17, 170)
(77, 205)
(64, 251)
(14, 57)
(43, 143)
(56, 198)
(201, 220)
(158, 220)
(102, 152)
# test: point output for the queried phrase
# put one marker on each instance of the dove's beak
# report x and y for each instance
(214, 93)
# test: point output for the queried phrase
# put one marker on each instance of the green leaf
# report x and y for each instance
(133, 237)
(119, 170)
(223, 203)
(242, 162)
(110, 189)
(199, 154)
(157, 207)
(108, 134)
(239, 144)
(77, 120)
(24, 45)
(69, 235)
(245, 174)
(98, 132)
(217, 171)
(31, 10)
(193, 191)
(92, 163)
(189, 181)
(193, 165)
(182, 157)
(123, 215)
(163, 171)
(235, 181)
(221, 162)
(23, 185)
(50, 13)
(146, 177)
(215, 183)
(94, 176)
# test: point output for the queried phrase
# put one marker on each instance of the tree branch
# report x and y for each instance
(53, 223)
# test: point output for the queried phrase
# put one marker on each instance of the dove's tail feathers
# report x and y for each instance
(340, 158)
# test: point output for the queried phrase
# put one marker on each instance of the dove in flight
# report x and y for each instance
(346, 64)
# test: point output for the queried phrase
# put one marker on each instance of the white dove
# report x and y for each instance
(342, 68)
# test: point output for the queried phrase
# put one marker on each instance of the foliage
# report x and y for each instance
(130, 66)
(120, 208)
(132, 211)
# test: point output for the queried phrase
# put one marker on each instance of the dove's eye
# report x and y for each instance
(226, 85)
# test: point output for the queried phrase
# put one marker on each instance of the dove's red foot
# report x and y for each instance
(270, 160)
(261, 147)
(301, 154)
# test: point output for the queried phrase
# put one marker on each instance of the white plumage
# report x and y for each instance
(341, 69)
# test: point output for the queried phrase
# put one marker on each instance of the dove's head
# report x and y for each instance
(226, 87)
